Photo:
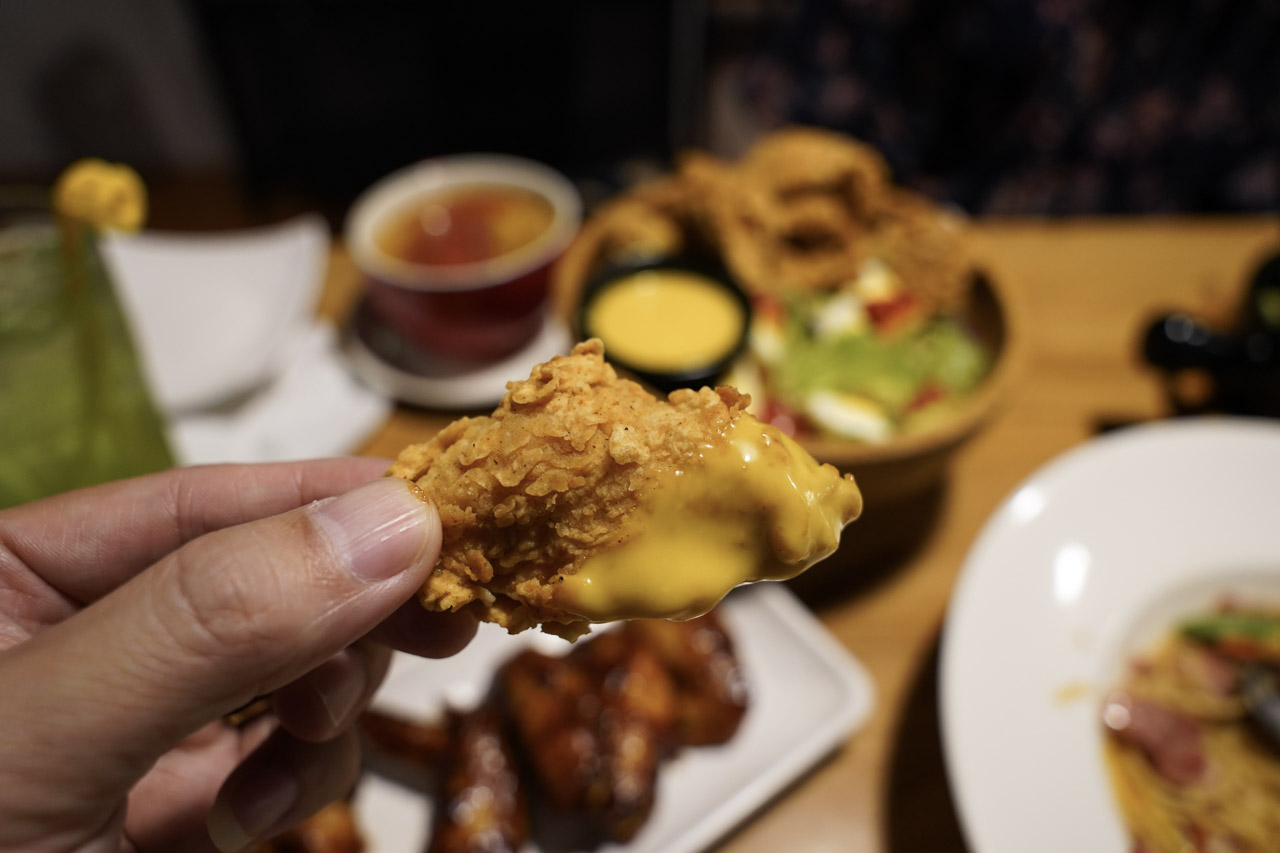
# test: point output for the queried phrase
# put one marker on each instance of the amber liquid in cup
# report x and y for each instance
(466, 225)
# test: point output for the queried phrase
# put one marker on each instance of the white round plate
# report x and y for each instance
(1081, 566)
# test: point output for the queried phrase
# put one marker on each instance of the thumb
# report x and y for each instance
(231, 615)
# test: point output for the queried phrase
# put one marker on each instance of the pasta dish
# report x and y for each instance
(1190, 767)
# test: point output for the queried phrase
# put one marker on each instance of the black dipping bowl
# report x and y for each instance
(696, 377)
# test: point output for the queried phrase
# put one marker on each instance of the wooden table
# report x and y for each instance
(1086, 289)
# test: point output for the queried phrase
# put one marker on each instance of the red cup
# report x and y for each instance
(479, 311)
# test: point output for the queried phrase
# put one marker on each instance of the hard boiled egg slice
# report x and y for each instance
(842, 314)
(849, 416)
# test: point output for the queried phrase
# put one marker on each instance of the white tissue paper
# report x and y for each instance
(225, 327)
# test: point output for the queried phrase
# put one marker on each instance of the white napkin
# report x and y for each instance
(225, 329)
(313, 408)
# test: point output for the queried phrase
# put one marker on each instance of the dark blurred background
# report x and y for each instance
(246, 110)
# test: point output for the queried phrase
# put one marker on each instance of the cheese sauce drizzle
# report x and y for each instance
(754, 506)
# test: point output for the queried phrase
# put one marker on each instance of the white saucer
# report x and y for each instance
(442, 383)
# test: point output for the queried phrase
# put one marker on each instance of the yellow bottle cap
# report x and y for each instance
(106, 195)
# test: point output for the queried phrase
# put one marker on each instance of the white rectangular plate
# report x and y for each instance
(808, 696)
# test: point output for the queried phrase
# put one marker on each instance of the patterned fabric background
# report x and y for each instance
(1040, 106)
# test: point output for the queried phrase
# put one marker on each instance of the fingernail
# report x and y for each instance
(379, 529)
(251, 807)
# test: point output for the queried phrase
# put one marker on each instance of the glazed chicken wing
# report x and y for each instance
(331, 830)
(482, 807)
(594, 724)
(711, 688)
(418, 744)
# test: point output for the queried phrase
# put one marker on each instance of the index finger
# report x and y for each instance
(87, 542)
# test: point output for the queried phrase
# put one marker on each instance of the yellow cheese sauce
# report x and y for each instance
(666, 320)
(755, 506)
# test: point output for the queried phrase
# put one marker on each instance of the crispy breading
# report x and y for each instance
(529, 493)
(795, 161)
(642, 224)
(794, 212)
(925, 246)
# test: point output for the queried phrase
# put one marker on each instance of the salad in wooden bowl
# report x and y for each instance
(874, 338)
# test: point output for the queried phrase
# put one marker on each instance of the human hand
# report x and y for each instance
(134, 616)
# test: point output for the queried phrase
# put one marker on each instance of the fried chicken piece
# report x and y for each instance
(711, 689)
(482, 807)
(707, 179)
(792, 214)
(925, 246)
(584, 498)
(595, 725)
(796, 161)
(642, 232)
(417, 744)
(647, 222)
(629, 228)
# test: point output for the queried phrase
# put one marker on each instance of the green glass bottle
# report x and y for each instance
(75, 409)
